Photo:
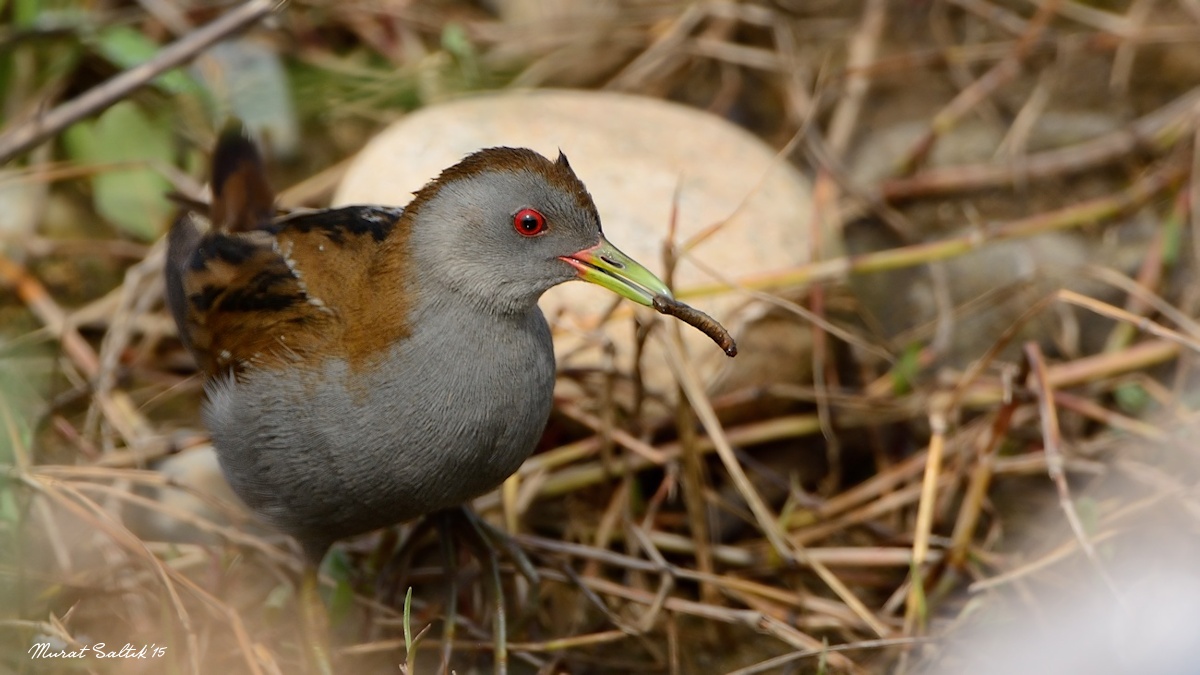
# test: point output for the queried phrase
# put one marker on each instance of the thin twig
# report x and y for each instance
(1156, 131)
(767, 522)
(1052, 442)
(999, 75)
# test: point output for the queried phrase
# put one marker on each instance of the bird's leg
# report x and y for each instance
(314, 621)
(387, 584)
(486, 553)
(484, 539)
(450, 556)
(500, 624)
(503, 540)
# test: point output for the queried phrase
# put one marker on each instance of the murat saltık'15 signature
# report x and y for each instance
(100, 650)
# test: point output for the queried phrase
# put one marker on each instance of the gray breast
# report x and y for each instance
(455, 409)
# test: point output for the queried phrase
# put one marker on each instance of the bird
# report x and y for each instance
(367, 365)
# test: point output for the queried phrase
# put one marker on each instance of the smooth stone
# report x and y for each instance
(989, 288)
(197, 470)
(1008, 276)
(634, 154)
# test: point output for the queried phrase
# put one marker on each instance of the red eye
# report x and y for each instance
(529, 222)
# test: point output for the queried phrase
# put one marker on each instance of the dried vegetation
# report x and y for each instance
(855, 523)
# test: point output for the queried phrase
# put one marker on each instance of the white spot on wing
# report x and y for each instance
(286, 254)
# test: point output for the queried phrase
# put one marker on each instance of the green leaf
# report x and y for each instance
(1088, 510)
(1173, 228)
(277, 600)
(126, 47)
(9, 512)
(408, 639)
(54, 14)
(1132, 399)
(342, 602)
(338, 566)
(456, 41)
(905, 370)
(127, 190)
(25, 12)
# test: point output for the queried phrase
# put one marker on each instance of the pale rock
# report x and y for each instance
(991, 287)
(205, 495)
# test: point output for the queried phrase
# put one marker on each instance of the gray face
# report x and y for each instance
(482, 249)
(506, 224)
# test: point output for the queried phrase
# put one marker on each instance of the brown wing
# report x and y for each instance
(353, 261)
(248, 289)
(241, 304)
(306, 287)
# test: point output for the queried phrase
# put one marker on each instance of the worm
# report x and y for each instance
(694, 317)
